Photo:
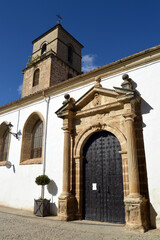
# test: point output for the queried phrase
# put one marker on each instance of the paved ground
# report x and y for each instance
(23, 225)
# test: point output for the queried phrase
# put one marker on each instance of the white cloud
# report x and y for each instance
(19, 89)
(88, 62)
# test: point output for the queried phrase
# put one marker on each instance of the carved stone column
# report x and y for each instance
(132, 156)
(135, 204)
(78, 185)
(66, 202)
(66, 162)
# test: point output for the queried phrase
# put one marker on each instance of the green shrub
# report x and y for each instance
(32, 60)
(42, 180)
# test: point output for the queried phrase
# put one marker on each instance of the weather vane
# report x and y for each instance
(59, 19)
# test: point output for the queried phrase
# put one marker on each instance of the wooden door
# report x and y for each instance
(102, 179)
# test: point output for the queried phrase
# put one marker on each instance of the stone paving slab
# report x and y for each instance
(23, 225)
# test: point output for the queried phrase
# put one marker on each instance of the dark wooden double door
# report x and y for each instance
(102, 179)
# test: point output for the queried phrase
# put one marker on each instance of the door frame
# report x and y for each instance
(78, 161)
(116, 111)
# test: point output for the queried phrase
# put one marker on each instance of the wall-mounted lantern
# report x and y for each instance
(9, 165)
(16, 135)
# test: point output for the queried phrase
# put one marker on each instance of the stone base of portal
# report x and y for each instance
(66, 207)
(157, 222)
(136, 212)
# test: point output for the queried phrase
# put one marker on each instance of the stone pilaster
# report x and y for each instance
(78, 185)
(135, 204)
(66, 204)
(132, 156)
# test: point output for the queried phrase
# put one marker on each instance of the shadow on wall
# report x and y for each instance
(53, 190)
(153, 215)
(134, 85)
(142, 109)
(145, 107)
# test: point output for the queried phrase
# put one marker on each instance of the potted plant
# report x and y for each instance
(42, 205)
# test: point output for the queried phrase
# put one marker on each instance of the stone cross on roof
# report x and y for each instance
(59, 18)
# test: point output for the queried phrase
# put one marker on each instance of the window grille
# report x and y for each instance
(37, 134)
(5, 144)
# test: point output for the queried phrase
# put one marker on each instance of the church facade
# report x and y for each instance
(96, 135)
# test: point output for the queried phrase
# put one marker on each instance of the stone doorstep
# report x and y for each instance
(27, 213)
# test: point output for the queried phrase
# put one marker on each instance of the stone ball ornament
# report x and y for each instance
(67, 96)
(125, 76)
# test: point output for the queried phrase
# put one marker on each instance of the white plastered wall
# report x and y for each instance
(146, 81)
(19, 189)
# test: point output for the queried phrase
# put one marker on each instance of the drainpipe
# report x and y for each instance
(45, 142)
(18, 120)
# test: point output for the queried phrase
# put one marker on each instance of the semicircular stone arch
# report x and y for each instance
(27, 138)
(82, 138)
(102, 167)
(85, 134)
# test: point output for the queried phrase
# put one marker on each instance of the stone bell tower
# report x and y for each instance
(56, 57)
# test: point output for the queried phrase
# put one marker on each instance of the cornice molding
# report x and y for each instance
(49, 54)
(58, 26)
(133, 61)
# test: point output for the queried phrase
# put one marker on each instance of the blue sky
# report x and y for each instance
(108, 29)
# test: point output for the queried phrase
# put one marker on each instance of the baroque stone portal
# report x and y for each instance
(118, 112)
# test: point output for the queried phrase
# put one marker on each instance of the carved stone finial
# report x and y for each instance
(125, 76)
(67, 97)
(98, 80)
(127, 84)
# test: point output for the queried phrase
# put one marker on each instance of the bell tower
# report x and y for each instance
(56, 57)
